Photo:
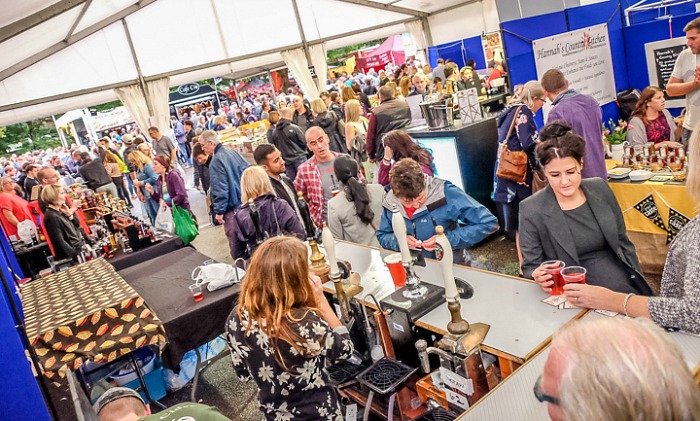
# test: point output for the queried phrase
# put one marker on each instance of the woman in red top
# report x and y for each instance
(14, 208)
(651, 122)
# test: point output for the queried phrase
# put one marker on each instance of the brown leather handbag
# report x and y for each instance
(512, 165)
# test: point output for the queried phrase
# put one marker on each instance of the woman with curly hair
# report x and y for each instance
(283, 331)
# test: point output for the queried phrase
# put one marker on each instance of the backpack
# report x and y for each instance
(626, 100)
(358, 152)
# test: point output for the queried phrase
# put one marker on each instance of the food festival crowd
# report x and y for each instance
(355, 164)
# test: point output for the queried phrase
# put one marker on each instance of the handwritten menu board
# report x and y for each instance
(661, 58)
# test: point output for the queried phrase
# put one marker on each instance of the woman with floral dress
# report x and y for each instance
(283, 331)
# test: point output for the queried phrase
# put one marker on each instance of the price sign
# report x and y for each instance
(312, 70)
(455, 381)
(457, 399)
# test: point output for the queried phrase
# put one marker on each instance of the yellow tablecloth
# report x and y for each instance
(648, 238)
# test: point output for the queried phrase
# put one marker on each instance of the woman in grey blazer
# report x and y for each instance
(576, 221)
(678, 304)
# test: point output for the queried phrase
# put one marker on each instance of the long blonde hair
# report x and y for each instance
(139, 159)
(353, 111)
(348, 93)
(254, 183)
(276, 292)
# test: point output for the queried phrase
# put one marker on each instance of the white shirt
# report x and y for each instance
(685, 70)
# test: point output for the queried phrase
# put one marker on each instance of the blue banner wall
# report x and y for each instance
(459, 52)
(20, 397)
(636, 36)
(475, 50)
(517, 41)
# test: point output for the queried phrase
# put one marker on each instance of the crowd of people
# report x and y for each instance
(354, 165)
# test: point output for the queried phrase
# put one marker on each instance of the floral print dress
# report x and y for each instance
(302, 391)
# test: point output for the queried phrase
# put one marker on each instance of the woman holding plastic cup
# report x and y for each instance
(575, 222)
(678, 304)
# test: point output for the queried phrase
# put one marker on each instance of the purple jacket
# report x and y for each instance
(176, 190)
(276, 218)
(585, 117)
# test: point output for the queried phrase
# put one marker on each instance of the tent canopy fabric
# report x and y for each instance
(60, 55)
(390, 50)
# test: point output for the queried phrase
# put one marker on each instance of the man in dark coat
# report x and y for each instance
(391, 114)
(290, 140)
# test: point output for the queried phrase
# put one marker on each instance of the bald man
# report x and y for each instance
(316, 177)
(289, 139)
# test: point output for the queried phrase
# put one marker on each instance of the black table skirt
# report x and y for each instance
(124, 260)
(163, 283)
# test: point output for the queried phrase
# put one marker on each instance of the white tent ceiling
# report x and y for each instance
(58, 55)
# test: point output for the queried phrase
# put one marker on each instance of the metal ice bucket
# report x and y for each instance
(438, 114)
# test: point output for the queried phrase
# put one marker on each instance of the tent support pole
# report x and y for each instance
(142, 81)
(305, 44)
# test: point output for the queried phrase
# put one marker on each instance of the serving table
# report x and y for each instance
(86, 312)
(649, 238)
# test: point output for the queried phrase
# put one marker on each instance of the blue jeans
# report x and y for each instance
(151, 207)
(184, 155)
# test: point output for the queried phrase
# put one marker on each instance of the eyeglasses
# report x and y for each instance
(541, 396)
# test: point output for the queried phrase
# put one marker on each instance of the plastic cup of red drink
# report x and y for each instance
(554, 268)
(196, 291)
(396, 269)
(574, 275)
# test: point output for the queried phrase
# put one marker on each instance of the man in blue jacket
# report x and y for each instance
(225, 172)
(426, 202)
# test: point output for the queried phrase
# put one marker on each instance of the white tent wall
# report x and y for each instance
(98, 60)
(325, 18)
(42, 37)
(48, 108)
(221, 38)
(464, 22)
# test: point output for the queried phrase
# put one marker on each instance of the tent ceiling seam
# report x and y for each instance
(454, 6)
(35, 58)
(387, 7)
(232, 60)
(15, 28)
(78, 19)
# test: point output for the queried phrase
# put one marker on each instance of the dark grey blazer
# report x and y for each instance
(545, 235)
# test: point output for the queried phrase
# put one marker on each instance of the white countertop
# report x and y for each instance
(520, 322)
(513, 399)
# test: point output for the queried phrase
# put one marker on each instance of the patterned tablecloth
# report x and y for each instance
(87, 312)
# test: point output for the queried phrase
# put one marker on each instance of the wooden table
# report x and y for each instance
(521, 324)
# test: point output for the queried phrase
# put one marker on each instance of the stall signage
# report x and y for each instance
(312, 71)
(661, 59)
(188, 89)
(585, 59)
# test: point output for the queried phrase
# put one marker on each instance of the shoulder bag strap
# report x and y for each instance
(510, 129)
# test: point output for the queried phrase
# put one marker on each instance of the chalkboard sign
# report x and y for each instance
(661, 58)
(665, 59)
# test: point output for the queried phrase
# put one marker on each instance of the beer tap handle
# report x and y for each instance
(422, 348)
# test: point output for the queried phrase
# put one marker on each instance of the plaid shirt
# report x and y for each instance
(308, 181)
